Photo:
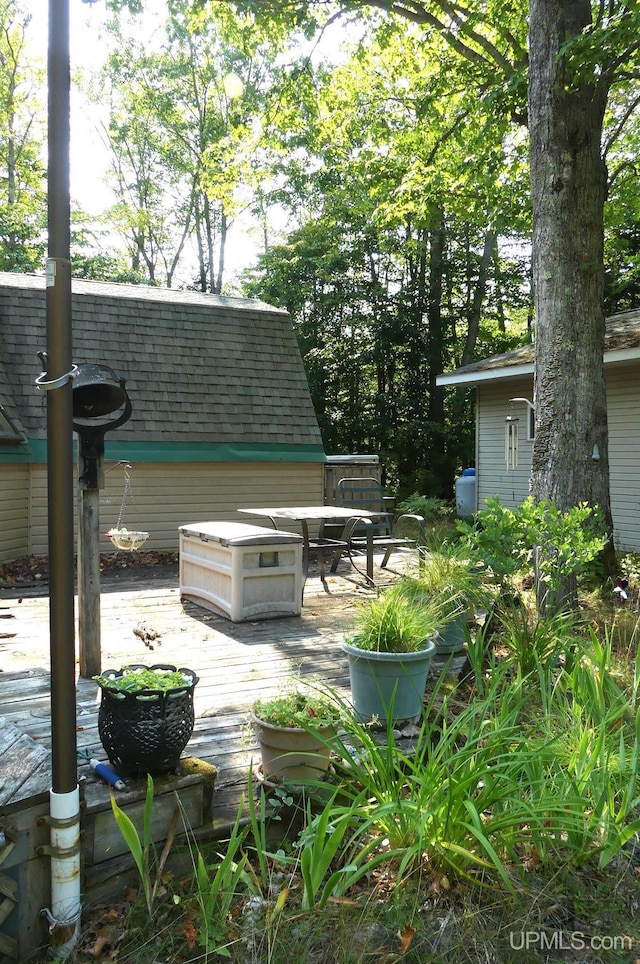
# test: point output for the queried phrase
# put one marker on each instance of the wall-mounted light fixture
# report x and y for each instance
(525, 400)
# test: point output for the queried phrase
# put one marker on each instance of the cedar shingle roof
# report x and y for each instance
(622, 333)
(198, 367)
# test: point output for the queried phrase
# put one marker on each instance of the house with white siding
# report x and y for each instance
(222, 416)
(504, 424)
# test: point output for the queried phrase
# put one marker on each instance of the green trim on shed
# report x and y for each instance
(12, 452)
(36, 451)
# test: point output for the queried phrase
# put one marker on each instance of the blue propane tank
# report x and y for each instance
(466, 493)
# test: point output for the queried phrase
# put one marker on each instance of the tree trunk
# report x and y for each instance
(440, 461)
(479, 296)
(568, 182)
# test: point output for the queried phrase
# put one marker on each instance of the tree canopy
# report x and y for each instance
(412, 150)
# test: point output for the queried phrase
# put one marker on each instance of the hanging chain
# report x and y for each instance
(126, 496)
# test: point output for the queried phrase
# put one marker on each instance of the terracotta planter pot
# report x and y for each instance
(291, 753)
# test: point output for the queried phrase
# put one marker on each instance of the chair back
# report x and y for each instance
(365, 493)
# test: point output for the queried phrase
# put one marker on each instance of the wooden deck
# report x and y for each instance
(236, 662)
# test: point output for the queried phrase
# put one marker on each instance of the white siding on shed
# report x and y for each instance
(493, 407)
(166, 495)
(623, 407)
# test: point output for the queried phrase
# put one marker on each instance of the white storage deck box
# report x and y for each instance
(242, 571)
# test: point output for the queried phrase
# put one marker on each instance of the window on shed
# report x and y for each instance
(531, 424)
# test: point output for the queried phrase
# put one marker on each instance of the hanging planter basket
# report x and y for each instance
(124, 539)
(121, 537)
(145, 730)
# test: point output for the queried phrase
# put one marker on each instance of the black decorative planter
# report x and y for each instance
(145, 731)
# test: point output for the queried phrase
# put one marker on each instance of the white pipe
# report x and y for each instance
(64, 916)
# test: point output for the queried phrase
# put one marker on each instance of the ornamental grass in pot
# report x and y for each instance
(295, 731)
(452, 582)
(146, 716)
(389, 653)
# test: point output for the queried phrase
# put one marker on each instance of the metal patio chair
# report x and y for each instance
(366, 493)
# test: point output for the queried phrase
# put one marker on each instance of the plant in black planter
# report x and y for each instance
(295, 731)
(389, 654)
(146, 716)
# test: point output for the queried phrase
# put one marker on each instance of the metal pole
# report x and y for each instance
(65, 820)
(60, 410)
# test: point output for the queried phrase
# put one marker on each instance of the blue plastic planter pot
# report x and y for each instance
(452, 637)
(388, 683)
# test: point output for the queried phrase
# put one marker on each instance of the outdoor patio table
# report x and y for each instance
(320, 513)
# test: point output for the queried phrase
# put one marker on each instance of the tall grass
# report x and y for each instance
(536, 765)
(468, 796)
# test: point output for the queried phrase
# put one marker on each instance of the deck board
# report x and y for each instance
(236, 663)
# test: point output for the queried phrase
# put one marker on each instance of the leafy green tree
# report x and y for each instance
(183, 140)
(23, 180)
(390, 272)
(559, 83)
(577, 52)
(622, 212)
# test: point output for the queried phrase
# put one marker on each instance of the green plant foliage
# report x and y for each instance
(23, 193)
(138, 848)
(395, 622)
(218, 885)
(134, 680)
(533, 641)
(296, 709)
(451, 576)
(560, 544)
(432, 510)
(538, 767)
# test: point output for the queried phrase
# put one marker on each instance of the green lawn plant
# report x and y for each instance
(527, 639)
(394, 622)
(134, 679)
(452, 577)
(454, 799)
(522, 783)
(297, 708)
(141, 845)
(218, 884)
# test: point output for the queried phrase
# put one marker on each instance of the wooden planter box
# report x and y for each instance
(107, 865)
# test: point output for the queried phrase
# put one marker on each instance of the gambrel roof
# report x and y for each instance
(622, 343)
(199, 368)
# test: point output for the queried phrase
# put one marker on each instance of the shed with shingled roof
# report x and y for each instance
(504, 386)
(222, 416)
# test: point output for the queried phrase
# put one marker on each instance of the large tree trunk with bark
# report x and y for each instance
(568, 183)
